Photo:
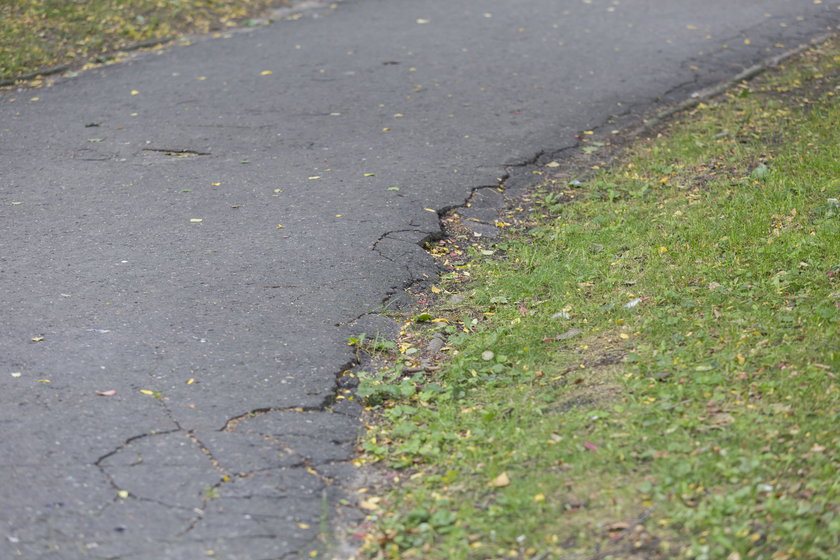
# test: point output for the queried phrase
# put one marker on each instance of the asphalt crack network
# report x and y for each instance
(206, 475)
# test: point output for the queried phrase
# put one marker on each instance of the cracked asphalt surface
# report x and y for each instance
(201, 228)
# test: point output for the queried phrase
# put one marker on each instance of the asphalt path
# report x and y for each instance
(200, 228)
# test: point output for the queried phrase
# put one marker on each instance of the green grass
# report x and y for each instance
(39, 34)
(646, 366)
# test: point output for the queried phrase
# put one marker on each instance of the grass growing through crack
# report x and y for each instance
(37, 34)
(650, 371)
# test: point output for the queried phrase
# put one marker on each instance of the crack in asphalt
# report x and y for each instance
(176, 152)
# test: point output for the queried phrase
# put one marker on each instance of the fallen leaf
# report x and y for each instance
(422, 21)
(370, 503)
(16, 374)
(500, 481)
(196, 220)
(590, 446)
(266, 73)
(108, 393)
(37, 338)
(620, 526)
(135, 92)
(123, 494)
(147, 392)
(303, 526)
(552, 164)
(190, 381)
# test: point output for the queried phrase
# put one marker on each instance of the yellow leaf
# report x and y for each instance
(279, 226)
(44, 381)
(625, 336)
(552, 164)
(147, 392)
(539, 498)
(37, 338)
(370, 503)
(190, 381)
(215, 184)
(370, 174)
(266, 73)
(123, 494)
(196, 220)
(314, 177)
(500, 481)
(436, 290)
(135, 92)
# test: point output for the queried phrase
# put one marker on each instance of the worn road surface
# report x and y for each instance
(200, 229)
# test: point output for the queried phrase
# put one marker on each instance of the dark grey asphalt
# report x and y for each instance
(102, 253)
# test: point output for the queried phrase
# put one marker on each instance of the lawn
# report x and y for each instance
(39, 35)
(645, 365)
